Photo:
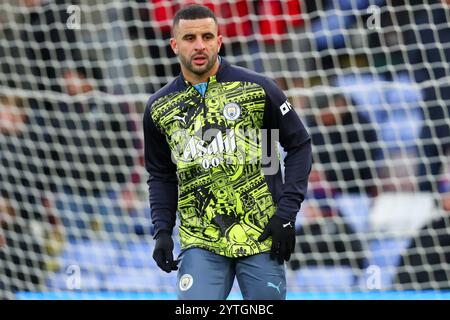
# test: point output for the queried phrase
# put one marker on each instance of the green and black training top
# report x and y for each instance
(207, 154)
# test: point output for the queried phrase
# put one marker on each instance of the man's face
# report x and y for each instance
(6, 213)
(75, 83)
(12, 118)
(197, 44)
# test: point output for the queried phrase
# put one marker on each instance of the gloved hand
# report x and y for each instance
(162, 253)
(283, 238)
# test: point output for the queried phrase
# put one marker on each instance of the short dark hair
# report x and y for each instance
(193, 12)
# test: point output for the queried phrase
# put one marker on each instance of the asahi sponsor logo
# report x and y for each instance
(197, 147)
(232, 147)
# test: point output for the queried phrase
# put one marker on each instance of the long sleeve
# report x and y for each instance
(296, 141)
(162, 181)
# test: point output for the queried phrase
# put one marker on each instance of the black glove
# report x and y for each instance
(162, 253)
(283, 238)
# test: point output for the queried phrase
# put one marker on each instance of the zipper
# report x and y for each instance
(203, 101)
(202, 97)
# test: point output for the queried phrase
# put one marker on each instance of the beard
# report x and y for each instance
(188, 63)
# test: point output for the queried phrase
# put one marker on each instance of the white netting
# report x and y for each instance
(369, 78)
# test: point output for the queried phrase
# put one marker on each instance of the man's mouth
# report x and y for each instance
(200, 60)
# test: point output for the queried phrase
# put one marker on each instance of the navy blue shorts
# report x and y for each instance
(204, 275)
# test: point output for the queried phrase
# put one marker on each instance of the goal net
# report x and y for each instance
(369, 79)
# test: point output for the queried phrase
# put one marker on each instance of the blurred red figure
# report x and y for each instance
(233, 16)
(277, 16)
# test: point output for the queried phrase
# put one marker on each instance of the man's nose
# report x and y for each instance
(199, 44)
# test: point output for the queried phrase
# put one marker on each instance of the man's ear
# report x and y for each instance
(173, 45)
(219, 40)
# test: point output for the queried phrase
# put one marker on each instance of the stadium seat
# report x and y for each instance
(90, 255)
(355, 209)
(137, 255)
(325, 278)
(401, 212)
(89, 281)
(385, 254)
(133, 280)
(167, 281)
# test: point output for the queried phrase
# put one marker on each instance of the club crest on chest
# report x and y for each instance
(231, 111)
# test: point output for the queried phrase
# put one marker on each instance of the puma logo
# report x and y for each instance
(271, 285)
(287, 224)
(182, 119)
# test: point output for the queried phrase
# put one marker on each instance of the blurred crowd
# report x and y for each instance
(372, 88)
